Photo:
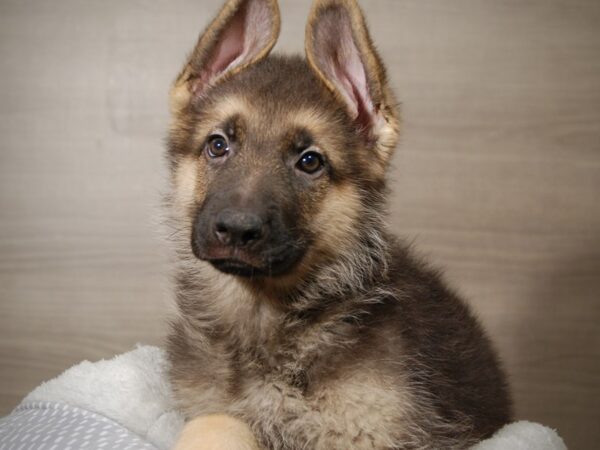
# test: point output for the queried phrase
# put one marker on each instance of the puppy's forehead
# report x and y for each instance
(221, 110)
(267, 112)
(268, 118)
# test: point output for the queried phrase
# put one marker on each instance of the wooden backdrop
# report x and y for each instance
(497, 178)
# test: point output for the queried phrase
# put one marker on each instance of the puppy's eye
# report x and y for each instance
(217, 146)
(310, 162)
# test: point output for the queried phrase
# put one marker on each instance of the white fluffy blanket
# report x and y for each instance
(132, 389)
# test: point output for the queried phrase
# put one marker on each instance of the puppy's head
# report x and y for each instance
(277, 162)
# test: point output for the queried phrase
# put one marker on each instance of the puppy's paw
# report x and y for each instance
(216, 432)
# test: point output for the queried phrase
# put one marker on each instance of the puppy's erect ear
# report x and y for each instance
(243, 33)
(339, 49)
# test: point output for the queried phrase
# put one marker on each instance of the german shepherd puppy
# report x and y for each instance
(304, 324)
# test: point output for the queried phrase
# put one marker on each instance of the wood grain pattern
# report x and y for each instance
(497, 178)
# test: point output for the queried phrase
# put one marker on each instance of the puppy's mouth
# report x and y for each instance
(237, 267)
(228, 260)
(245, 264)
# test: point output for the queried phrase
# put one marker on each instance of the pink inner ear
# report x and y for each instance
(242, 39)
(229, 47)
(339, 58)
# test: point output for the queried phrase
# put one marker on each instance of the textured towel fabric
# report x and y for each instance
(126, 402)
(523, 436)
(53, 426)
(131, 390)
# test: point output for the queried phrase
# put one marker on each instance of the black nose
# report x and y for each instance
(238, 228)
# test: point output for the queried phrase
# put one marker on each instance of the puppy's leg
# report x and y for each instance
(216, 432)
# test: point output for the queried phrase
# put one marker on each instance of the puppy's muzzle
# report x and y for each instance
(251, 238)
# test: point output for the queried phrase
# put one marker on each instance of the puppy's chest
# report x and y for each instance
(354, 412)
(276, 368)
(275, 354)
(270, 389)
(308, 399)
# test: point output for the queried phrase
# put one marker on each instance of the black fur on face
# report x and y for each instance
(246, 224)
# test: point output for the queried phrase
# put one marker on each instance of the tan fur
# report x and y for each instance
(228, 107)
(335, 221)
(334, 224)
(188, 186)
(232, 299)
(334, 417)
(216, 432)
(361, 429)
(180, 94)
